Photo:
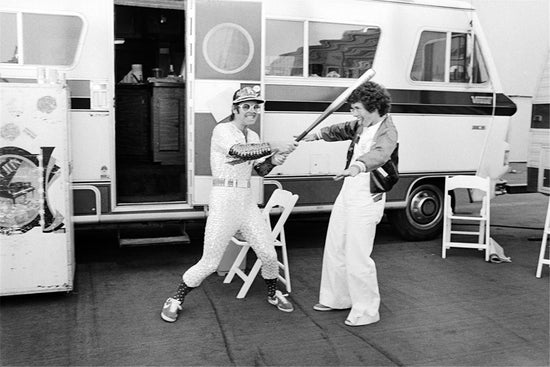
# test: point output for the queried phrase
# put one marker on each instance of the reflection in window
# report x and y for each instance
(341, 50)
(284, 48)
(55, 47)
(429, 61)
(8, 38)
(458, 70)
(334, 50)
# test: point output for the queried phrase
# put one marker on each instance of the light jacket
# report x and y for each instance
(384, 141)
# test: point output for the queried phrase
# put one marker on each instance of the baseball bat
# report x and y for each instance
(339, 101)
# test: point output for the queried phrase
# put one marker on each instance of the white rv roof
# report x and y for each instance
(438, 3)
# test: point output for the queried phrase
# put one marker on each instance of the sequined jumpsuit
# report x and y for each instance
(233, 209)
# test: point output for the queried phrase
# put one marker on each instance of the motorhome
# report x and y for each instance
(149, 79)
(538, 160)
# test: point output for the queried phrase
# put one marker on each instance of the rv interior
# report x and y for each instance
(150, 104)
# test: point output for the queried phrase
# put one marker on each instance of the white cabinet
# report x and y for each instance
(36, 232)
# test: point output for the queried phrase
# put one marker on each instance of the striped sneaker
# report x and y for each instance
(281, 302)
(170, 310)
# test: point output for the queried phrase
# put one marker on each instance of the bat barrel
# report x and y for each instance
(339, 101)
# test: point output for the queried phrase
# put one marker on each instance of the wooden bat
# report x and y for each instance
(339, 101)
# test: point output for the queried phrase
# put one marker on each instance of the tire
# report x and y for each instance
(422, 218)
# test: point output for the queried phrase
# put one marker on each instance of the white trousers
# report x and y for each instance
(232, 210)
(348, 278)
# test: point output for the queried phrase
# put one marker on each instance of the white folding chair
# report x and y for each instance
(450, 218)
(542, 258)
(286, 201)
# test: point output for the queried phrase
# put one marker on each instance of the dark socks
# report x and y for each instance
(183, 289)
(271, 286)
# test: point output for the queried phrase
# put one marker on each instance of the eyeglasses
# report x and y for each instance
(245, 107)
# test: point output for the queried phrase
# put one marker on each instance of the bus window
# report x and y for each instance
(284, 48)
(430, 60)
(333, 50)
(58, 46)
(479, 69)
(458, 70)
(8, 38)
(341, 50)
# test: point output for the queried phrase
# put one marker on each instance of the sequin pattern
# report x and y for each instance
(232, 209)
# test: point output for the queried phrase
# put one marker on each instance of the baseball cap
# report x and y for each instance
(247, 94)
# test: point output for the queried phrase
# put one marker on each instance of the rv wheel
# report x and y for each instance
(422, 218)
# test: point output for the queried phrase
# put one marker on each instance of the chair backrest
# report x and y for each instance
(482, 185)
(286, 201)
(468, 182)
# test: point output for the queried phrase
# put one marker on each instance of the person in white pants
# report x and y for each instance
(234, 151)
(348, 278)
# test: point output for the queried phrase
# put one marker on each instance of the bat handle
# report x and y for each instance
(302, 135)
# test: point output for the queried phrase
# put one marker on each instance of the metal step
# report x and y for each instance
(152, 234)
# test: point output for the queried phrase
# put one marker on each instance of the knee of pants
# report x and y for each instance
(197, 273)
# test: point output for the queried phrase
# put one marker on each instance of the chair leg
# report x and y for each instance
(446, 237)
(286, 270)
(481, 232)
(249, 279)
(487, 241)
(240, 257)
(542, 254)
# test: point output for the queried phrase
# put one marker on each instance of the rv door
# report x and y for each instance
(226, 47)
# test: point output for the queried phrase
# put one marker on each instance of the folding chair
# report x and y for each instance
(286, 201)
(542, 258)
(450, 218)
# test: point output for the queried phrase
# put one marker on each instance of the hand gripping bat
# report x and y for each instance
(339, 101)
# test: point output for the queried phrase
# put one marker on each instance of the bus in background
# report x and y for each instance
(538, 161)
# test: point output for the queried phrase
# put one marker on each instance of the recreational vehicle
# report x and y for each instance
(538, 160)
(149, 79)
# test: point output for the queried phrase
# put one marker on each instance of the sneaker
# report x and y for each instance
(170, 310)
(321, 307)
(281, 302)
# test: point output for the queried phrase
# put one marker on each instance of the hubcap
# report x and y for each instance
(424, 207)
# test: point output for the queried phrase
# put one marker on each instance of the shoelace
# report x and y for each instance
(281, 297)
(174, 306)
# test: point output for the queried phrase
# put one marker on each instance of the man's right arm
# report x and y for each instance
(336, 132)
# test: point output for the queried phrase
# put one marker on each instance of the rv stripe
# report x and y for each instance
(403, 101)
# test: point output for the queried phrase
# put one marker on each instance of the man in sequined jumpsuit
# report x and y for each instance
(235, 150)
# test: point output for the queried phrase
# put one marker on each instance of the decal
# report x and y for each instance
(46, 104)
(10, 131)
(25, 182)
(20, 199)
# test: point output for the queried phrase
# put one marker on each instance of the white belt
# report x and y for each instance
(229, 182)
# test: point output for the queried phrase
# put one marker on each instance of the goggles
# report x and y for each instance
(245, 107)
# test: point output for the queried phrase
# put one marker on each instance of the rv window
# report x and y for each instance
(334, 50)
(458, 70)
(48, 39)
(57, 46)
(8, 38)
(284, 48)
(479, 69)
(341, 50)
(429, 62)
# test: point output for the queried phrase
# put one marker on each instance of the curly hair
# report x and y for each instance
(373, 97)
